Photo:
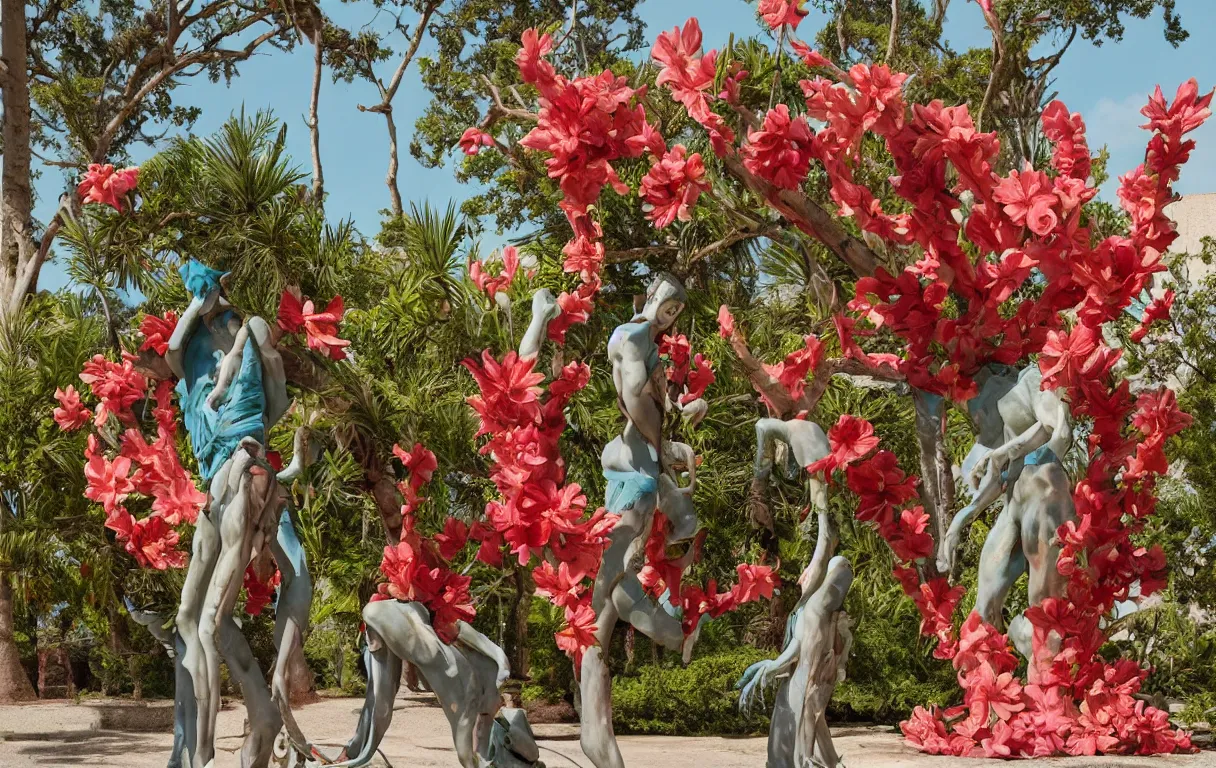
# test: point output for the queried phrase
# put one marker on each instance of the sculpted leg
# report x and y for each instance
(383, 680)
(193, 658)
(596, 735)
(235, 543)
(1001, 563)
(1044, 498)
(263, 716)
(291, 617)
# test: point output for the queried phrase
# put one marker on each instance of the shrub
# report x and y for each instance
(696, 700)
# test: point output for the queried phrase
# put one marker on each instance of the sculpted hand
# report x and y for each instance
(544, 305)
(755, 679)
(990, 463)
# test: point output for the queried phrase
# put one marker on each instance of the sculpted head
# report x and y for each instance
(665, 300)
(205, 283)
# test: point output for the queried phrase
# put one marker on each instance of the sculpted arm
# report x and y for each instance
(641, 408)
(184, 330)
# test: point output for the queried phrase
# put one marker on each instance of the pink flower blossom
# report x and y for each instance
(671, 188)
(157, 331)
(320, 328)
(473, 139)
(71, 413)
(103, 184)
(779, 12)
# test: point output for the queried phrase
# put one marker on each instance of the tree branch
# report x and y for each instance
(811, 218)
(314, 130)
(893, 36)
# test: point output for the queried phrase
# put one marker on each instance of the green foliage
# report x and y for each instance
(696, 700)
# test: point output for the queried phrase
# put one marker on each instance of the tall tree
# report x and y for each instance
(84, 82)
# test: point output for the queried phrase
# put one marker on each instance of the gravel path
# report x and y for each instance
(63, 734)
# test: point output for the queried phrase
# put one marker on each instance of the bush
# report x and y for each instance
(696, 700)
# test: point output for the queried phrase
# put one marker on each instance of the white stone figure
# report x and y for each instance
(1024, 432)
(643, 472)
(817, 638)
(792, 445)
(466, 677)
(811, 664)
(233, 390)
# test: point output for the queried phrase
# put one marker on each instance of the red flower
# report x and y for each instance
(178, 500)
(880, 485)
(684, 68)
(455, 535)
(810, 57)
(1187, 113)
(688, 75)
(755, 582)
(258, 593)
(700, 377)
(493, 285)
(71, 413)
(152, 543)
(559, 585)
(1028, 200)
(778, 12)
(1158, 415)
(157, 331)
(671, 188)
(791, 372)
(1157, 309)
(850, 438)
(780, 151)
(578, 634)
(509, 392)
(116, 385)
(726, 322)
(102, 184)
(420, 463)
(453, 605)
(473, 139)
(108, 484)
(320, 328)
(907, 536)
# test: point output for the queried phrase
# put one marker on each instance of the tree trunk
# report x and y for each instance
(314, 128)
(937, 480)
(517, 627)
(14, 683)
(18, 256)
(303, 685)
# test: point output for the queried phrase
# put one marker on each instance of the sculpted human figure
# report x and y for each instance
(810, 666)
(466, 677)
(1024, 432)
(232, 389)
(643, 472)
(817, 638)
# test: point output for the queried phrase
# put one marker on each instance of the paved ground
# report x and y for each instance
(63, 734)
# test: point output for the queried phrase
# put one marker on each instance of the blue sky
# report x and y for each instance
(1106, 84)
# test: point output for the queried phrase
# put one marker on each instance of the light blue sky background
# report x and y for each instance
(1107, 84)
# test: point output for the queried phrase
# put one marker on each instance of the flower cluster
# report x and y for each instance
(491, 285)
(663, 573)
(690, 375)
(133, 466)
(320, 329)
(1002, 263)
(671, 188)
(884, 493)
(258, 593)
(107, 186)
(417, 568)
(537, 513)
